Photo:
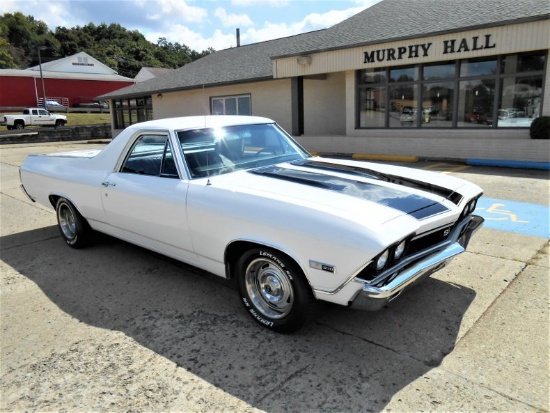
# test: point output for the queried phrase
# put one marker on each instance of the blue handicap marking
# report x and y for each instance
(518, 217)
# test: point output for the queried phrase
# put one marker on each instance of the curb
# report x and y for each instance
(502, 163)
(387, 158)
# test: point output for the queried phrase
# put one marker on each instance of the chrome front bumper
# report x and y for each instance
(372, 298)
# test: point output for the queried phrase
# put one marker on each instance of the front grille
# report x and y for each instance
(423, 241)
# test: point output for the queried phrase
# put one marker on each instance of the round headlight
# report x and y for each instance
(382, 260)
(400, 249)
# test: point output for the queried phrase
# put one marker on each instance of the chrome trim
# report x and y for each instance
(373, 297)
(431, 231)
(322, 266)
(452, 238)
(409, 276)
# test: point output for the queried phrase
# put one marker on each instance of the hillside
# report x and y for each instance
(123, 50)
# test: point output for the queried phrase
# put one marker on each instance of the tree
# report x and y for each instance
(123, 50)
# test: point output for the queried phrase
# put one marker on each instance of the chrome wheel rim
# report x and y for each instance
(269, 288)
(67, 222)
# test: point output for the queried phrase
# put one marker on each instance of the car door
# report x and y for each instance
(42, 117)
(145, 199)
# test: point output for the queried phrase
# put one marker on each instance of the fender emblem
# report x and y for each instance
(321, 266)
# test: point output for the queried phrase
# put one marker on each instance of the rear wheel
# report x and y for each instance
(19, 125)
(274, 290)
(73, 227)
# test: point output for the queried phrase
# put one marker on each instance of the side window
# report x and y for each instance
(42, 112)
(168, 169)
(34, 112)
(151, 155)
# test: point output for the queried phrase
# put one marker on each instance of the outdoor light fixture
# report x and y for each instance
(304, 60)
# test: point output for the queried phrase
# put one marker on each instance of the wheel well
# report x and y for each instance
(54, 199)
(238, 248)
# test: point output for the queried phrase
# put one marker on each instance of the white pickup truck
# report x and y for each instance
(33, 117)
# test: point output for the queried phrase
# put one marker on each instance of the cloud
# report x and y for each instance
(311, 22)
(184, 35)
(192, 23)
(232, 20)
(263, 3)
(172, 10)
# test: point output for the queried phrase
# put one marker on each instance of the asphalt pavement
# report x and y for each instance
(116, 328)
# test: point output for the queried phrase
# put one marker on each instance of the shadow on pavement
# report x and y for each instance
(345, 361)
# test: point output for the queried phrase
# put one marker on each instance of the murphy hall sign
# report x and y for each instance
(423, 49)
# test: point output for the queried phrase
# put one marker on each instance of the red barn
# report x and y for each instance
(70, 81)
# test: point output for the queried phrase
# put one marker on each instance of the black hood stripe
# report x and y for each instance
(394, 179)
(415, 205)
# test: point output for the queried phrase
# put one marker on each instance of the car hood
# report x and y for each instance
(349, 189)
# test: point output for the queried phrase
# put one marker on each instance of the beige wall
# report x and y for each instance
(325, 105)
(452, 144)
(271, 99)
(511, 38)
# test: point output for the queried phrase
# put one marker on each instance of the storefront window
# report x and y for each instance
(404, 74)
(404, 106)
(129, 111)
(520, 101)
(499, 91)
(478, 67)
(476, 103)
(524, 62)
(437, 105)
(373, 76)
(440, 71)
(372, 107)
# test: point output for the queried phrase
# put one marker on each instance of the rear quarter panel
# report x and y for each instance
(77, 179)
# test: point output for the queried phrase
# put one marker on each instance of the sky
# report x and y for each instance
(198, 24)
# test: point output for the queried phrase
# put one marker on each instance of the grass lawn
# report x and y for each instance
(87, 118)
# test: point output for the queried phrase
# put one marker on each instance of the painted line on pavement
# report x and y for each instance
(518, 217)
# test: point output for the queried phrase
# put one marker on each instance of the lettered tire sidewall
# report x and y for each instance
(303, 302)
(73, 227)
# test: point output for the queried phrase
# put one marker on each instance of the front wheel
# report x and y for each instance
(274, 291)
(73, 227)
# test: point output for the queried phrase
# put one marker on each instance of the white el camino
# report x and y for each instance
(238, 197)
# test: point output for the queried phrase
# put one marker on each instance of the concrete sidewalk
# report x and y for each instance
(116, 328)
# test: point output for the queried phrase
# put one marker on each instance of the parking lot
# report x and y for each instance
(116, 328)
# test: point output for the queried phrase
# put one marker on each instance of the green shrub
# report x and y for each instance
(540, 128)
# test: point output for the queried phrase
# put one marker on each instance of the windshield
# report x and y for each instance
(217, 151)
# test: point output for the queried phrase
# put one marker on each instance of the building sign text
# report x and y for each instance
(423, 49)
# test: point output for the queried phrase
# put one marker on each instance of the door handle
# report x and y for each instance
(106, 184)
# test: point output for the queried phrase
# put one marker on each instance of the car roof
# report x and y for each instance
(196, 122)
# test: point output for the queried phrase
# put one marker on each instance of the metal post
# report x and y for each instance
(42, 77)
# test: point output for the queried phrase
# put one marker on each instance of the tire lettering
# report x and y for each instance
(278, 261)
(260, 319)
